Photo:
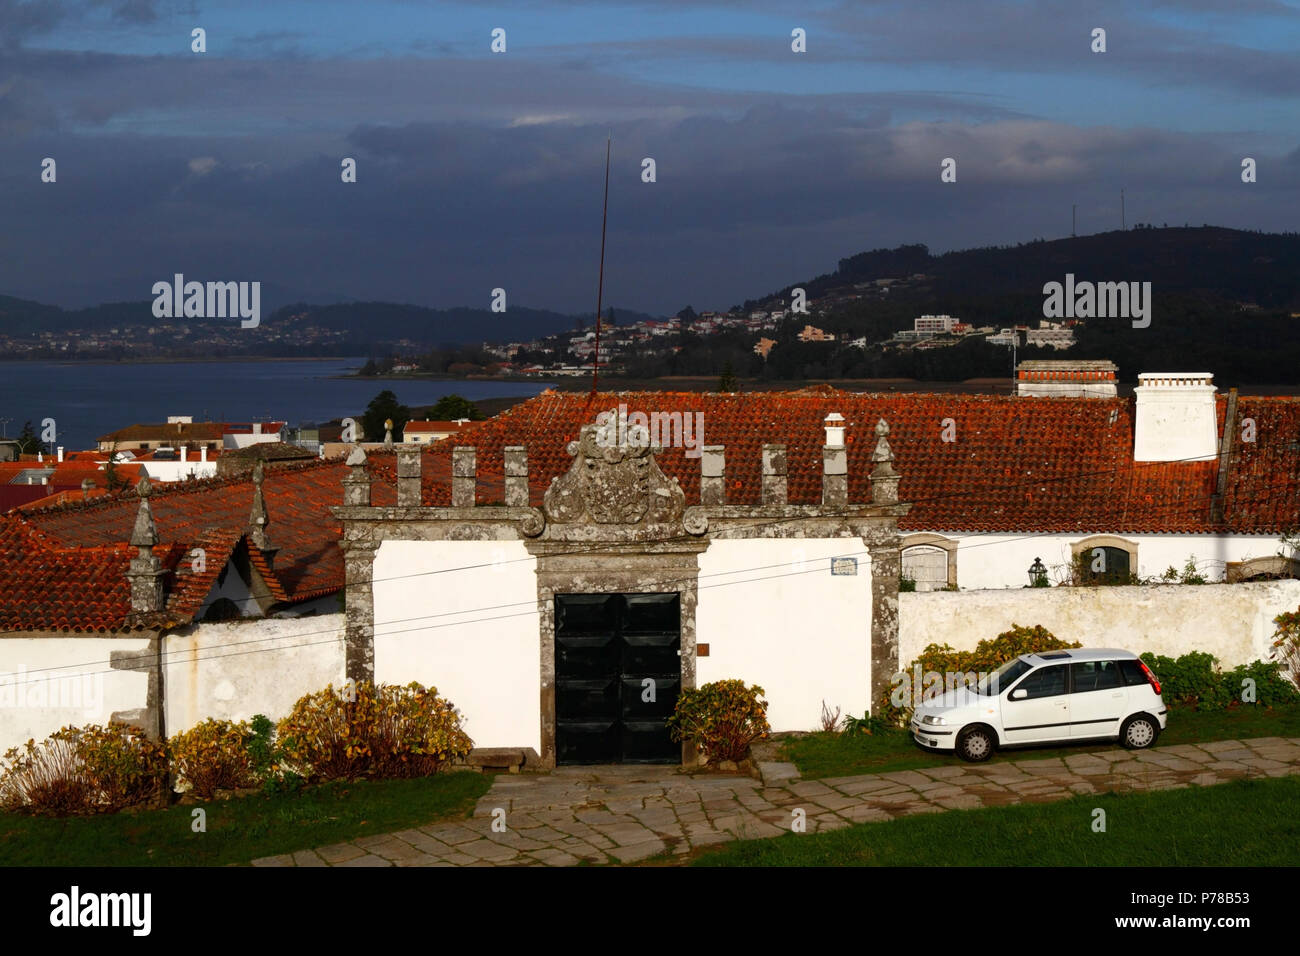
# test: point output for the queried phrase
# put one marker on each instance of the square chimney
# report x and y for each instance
(1175, 418)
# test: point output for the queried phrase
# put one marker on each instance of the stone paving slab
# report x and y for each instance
(627, 814)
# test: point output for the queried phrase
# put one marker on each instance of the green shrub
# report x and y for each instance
(722, 719)
(866, 724)
(373, 732)
(268, 760)
(1195, 680)
(1192, 680)
(1272, 687)
(212, 756)
(987, 657)
(92, 769)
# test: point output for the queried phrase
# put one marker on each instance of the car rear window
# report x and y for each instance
(1132, 672)
(1095, 675)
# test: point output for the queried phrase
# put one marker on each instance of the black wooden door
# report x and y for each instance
(617, 676)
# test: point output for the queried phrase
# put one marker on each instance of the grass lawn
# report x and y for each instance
(1244, 822)
(240, 830)
(839, 755)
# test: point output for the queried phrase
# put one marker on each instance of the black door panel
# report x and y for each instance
(587, 742)
(588, 655)
(637, 704)
(586, 699)
(606, 647)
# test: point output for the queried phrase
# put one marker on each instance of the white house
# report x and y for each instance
(564, 592)
(546, 580)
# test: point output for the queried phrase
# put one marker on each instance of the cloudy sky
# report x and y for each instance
(479, 170)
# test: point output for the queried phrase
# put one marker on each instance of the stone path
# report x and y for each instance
(623, 814)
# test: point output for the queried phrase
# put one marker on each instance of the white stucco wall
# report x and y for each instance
(774, 615)
(238, 669)
(1003, 560)
(192, 467)
(462, 616)
(48, 683)
(233, 587)
(1234, 622)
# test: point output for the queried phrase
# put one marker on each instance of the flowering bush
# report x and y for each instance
(1286, 644)
(387, 731)
(212, 756)
(45, 777)
(91, 769)
(722, 718)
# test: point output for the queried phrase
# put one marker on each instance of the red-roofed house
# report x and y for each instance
(422, 433)
(561, 583)
(771, 549)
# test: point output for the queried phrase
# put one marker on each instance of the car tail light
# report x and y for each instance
(1151, 678)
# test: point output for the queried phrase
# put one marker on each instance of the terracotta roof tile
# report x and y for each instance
(47, 547)
(1017, 464)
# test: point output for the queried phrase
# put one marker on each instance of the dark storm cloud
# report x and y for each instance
(20, 20)
(476, 173)
(444, 212)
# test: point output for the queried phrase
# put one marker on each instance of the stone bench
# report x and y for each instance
(496, 758)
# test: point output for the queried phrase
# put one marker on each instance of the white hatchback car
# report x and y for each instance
(1053, 697)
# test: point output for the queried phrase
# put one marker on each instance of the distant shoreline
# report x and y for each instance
(192, 361)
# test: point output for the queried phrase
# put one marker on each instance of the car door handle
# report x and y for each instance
(1117, 694)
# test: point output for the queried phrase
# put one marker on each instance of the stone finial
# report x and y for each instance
(388, 433)
(774, 475)
(356, 483)
(258, 519)
(516, 476)
(883, 452)
(464, 476)
(713, 475)
(145, 534)
(145, 570)
(408, 477)
(884, 480)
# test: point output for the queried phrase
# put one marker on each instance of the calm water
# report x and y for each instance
(87, 401)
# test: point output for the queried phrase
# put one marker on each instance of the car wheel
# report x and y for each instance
(1139, 732)
(975, 745)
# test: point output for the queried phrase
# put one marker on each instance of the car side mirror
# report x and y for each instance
(1019, 694)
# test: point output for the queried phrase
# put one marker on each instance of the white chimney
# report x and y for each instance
(203, 453)
(182, 452)
(834, 430)
(257, 428)
(1175, 417)
(60, 453)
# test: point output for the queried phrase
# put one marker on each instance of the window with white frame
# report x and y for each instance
(927, 566)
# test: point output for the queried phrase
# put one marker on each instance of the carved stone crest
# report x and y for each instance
(613, 484)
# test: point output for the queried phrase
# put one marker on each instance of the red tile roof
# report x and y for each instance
(48, 587)
(46, 545)
(1047, 465)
